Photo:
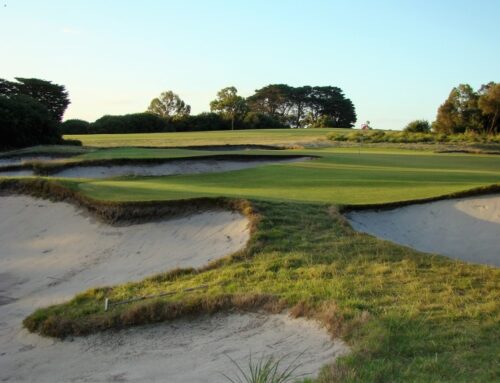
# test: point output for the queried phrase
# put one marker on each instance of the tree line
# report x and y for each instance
(271, 107)
(30, 112)
(465, 111)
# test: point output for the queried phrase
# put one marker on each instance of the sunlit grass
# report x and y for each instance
(237, 137)
(343, 178)
(407, 316)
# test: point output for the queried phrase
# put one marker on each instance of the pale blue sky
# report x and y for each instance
(396, 60)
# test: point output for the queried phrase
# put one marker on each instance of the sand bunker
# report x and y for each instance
(167, 168)
(16, 168)
(180, 351)
(17, 173)
(10, 161)
(50, 251)
(466, 229)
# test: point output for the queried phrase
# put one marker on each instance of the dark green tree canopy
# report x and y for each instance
(74, 126)
(273, 100)
(319, 106)
(25, 122)
(131, 123)
(54, 97)
(169, 105)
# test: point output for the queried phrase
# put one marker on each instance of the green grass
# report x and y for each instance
(408, 316)
(238, 137)
(47, 149)
(407, 137)
(340, 176)
(130, 152)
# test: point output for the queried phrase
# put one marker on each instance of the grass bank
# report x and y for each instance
(381, 136)
(408, 316)
(282, 137)
(341, 176)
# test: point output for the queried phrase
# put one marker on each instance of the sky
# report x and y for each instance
(396, 60)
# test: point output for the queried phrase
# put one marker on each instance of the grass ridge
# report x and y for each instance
(407, 316)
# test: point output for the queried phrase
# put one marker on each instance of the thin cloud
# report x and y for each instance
(71, 31)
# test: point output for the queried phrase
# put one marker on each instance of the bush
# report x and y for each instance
(74, 126)
(378, 136)
(201, 122)
(149, 123)
(255, 120)
(131, 123)
(26, 122)
(418, 126)
(72, 142)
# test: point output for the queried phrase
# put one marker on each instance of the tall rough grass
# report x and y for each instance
(380, 136)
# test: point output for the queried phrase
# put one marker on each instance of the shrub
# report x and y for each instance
(254, 120)
(72, 142)
(375, 136)
(131, 123)
(418, 126)
(74, 126)
(201, 122)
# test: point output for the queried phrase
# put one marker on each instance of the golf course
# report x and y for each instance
(398, 313)
(249, 192)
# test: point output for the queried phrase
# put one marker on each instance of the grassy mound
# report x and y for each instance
(408, 316)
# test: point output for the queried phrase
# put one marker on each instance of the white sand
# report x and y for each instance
(166, 169)
(20, 160)
(17, 173)
(50, 251)
(186, 351)
(466, 229)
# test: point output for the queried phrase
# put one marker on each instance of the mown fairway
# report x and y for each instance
(340, 176)
(408, 316)
(240, 137)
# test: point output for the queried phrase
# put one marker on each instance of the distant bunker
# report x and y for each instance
(147, 167)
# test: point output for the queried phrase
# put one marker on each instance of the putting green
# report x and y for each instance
(338, 176)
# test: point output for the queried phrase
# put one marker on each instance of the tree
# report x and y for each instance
(26, 122)
(229, 104)
(328, 107)
(418, 126)
(273, 100)
(319, 106)
(53, 96)
(169, 105)
(489, 104)
(460, 112)
(8, 88)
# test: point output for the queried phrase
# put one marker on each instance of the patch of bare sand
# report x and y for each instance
(465, 228)
(50, 251)
(167, 168)
(17, 173)
(183, 351)
(9, 161)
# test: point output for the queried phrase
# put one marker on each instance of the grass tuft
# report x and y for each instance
(265, 370)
